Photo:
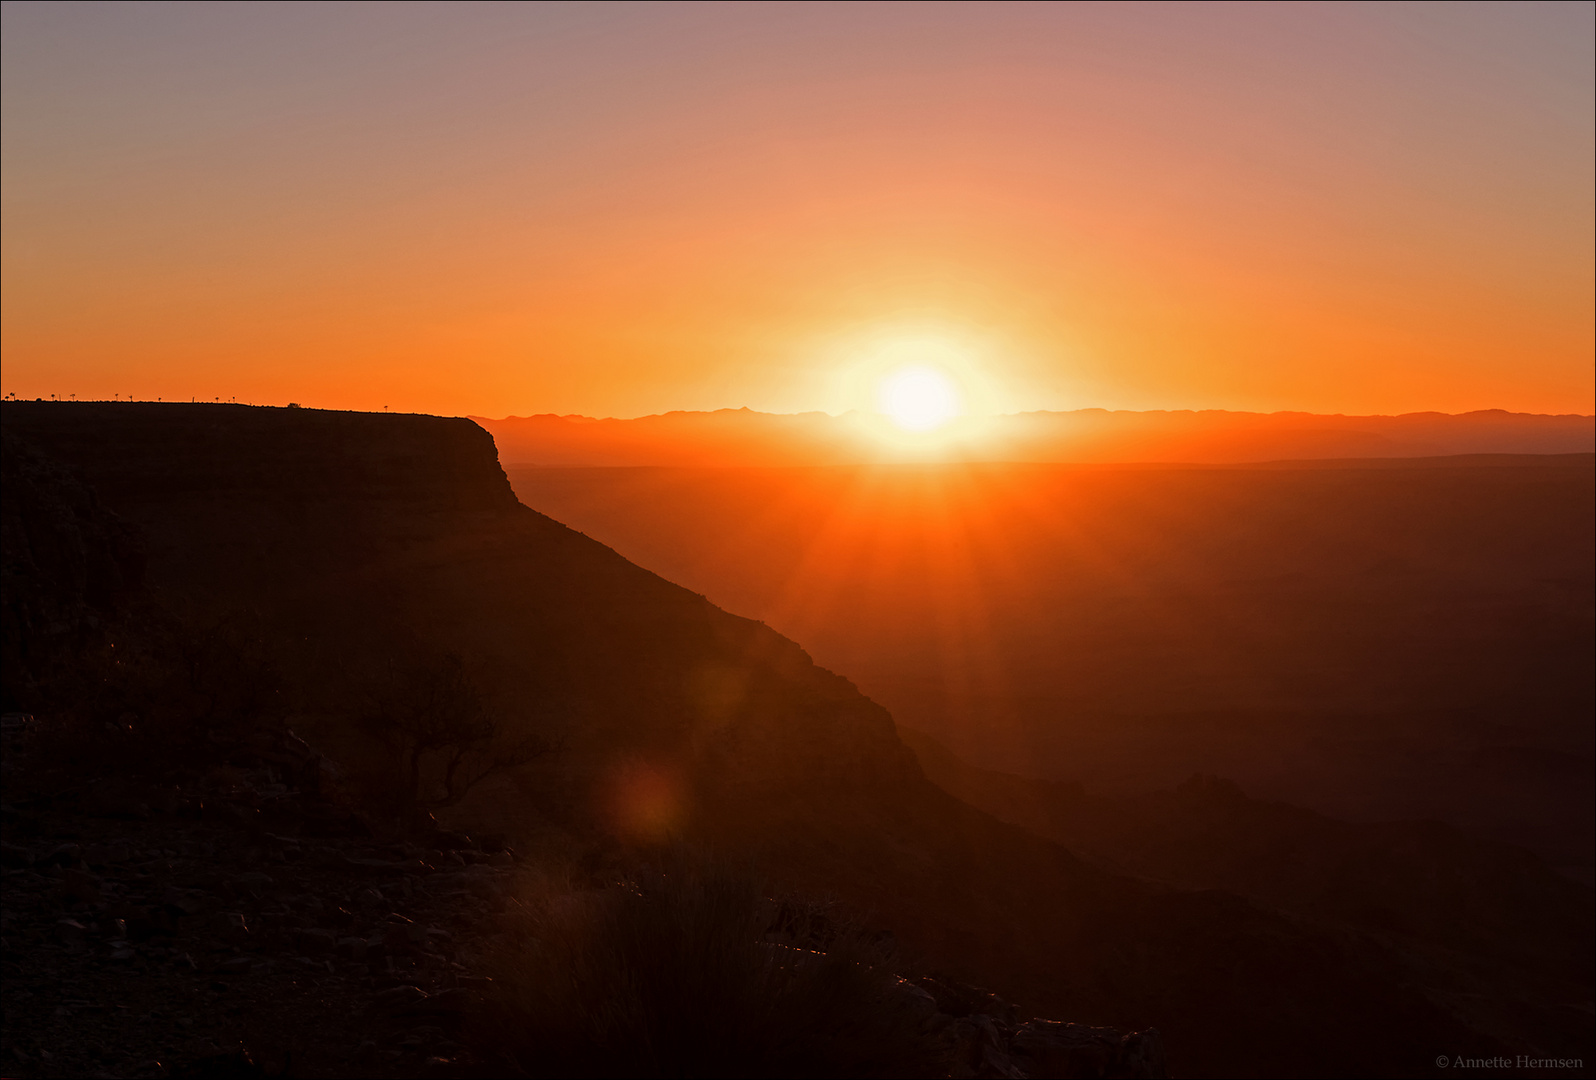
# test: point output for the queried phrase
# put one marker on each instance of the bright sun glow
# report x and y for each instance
(919, 398)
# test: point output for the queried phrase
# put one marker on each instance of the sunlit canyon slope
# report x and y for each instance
(1375, 638)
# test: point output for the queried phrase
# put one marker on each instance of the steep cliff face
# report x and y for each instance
(358, 536)
(358, 539)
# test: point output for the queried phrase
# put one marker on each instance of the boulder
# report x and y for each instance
(79, 887)
(315, 942)
(1051, 1048)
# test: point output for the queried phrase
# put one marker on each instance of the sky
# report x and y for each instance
(625, 209)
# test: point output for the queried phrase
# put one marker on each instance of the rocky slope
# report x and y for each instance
(157, 930)
(1504, 924)
(1413, 640)
(350, 541)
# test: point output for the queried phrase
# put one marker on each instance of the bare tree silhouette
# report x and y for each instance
(448, 739)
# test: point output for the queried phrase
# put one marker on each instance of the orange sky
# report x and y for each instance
(620, 210)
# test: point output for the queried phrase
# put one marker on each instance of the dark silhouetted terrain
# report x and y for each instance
(349, 543)
(1372, 639)
(1422, 881)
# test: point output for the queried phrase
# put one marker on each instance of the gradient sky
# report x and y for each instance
(624, 209)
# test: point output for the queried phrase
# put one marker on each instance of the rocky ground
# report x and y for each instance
(234, 925)
(141, 946)
(978, 1034)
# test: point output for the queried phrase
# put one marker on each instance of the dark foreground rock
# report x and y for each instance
(141, 942)
(980, 1035)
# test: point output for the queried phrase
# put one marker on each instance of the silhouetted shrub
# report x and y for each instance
(443, 733)
(671, 974)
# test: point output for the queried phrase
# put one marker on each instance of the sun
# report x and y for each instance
(919, 398)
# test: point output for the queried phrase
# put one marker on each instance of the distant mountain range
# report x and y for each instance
(745, 437)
